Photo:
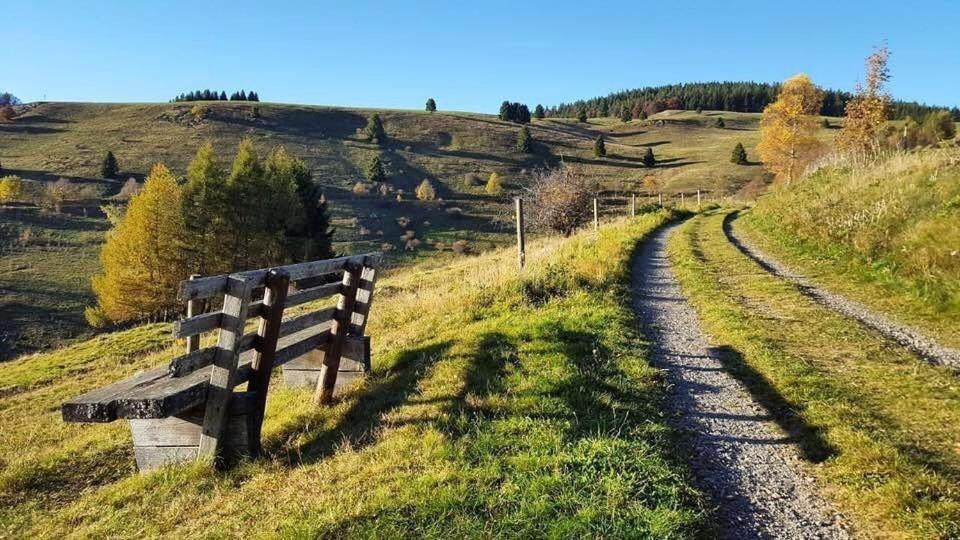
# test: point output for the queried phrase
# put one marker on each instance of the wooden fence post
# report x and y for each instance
(236, 302)
(596, 216)
(274, 297)
(193, 306)
(698, 199)
(521, 246)
(682, 203)
(338, 333)
(660, 199)
(633, 205)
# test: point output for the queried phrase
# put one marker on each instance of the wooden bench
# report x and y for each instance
(192, 409)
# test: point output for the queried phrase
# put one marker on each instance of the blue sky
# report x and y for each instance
(469, 56)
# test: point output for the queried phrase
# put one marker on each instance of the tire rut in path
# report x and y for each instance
(908, 337)
(745, 464)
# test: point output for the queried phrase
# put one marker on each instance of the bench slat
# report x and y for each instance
(313, 293)
(314, 318)
(197, 324)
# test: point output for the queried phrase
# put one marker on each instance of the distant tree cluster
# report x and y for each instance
(208, 95)
(258, 213)
(721, 96)
(514, 112)
(7, 102)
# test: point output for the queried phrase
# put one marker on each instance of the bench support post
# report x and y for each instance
(338, 333)
(268, 333)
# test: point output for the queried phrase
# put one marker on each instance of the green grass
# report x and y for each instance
(499, 405)
(53, 140)
(876, 424)
(886, 233)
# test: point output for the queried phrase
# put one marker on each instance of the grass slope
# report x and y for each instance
(886, 233)
(53, 140)
(876, 424)
(499, 405)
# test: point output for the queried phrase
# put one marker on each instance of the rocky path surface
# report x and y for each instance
(741, 459)
(911, 338)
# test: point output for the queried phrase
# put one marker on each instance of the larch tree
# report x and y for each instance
(281, 213)
(866, 114)
(206, 214)
(788, 128)
(244, 192)
(599, 147)
(425, 191)
(494, 185)
(142, 259)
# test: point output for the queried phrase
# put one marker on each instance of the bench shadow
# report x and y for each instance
(382, 392)
(809, 438)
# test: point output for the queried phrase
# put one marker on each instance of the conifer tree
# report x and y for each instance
(109, 168)
(425, 191)
(374, 130)
(310, 238)
(582, 115)
(739, 155)
(826, 123)
(538, 112)
(648, 158)
(720, 123)
(505, 111)
(625, 114)
(494, 184)
(243, 96)
(524, 141)
(375, 171)
(431, 105)
(223, 96)
(206, 214)
(599, 148)
(142, 261)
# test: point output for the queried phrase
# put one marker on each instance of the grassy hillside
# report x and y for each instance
(885, 232)
(499, 405)
(45, 280)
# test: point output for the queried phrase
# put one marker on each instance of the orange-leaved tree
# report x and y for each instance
(143, 260)
(866, 113)
(788, 128)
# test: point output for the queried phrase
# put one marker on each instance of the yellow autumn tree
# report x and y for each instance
(143, 260)
(866, 114)
(788, 128)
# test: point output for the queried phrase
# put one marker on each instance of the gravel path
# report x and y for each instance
(926, 348)
(741, 459)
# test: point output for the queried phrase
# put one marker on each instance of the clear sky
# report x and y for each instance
(468, 56)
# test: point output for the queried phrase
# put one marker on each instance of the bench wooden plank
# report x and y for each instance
(196, 324)
(302, 322)
(100, 405)
(313, 293)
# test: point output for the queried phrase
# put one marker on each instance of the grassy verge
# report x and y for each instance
(875, 424)
(886, 233)
(499, 406)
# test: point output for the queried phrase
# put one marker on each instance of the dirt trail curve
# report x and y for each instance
(926, 348)
(741, 459)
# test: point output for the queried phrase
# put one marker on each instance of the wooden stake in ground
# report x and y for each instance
(660, 199)
(521, 246)
(682, 203)
(633, 205)
(698, 199)
(596, 216)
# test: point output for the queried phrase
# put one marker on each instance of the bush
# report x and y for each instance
(375, 171)
(460, 247)
(524, 141)
(199, 111)
(404, 221)
(11, 189)
(494, 184)
(561, 200)
(7, 113)
(455, 212)
(648, 158)
(720, 123)
(130, 188)
(473, 180)
(54, 194)
(360, 189)
(374, 131)
(599, 147)
(425, 191)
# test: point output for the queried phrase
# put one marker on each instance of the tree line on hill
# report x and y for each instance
(743, 96)
(257, 213)
(208, 95)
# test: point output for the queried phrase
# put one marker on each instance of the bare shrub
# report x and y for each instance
(426, 192)
(404, 221)
(130, 188)
(56, 193)
(407, 236)
(360, 188)
(385, 247)
(473, 180)
(455, 212)
(561, 199)
(412, 244)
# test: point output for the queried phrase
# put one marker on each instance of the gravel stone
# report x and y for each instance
(911, 338)
(740, 458)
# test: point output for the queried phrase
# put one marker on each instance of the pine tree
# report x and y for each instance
(599, 148)
(582, 116)
(375, 171)
(223, 96)
(109, 168)
(253, 96)
(720, 123)
(374, 130)
(505, 111)
(431, 105)
(538, 112)
(142, 261)
(524, 141)
(625, 114)
(244, 191)
(826, 123)
(243, 96)
(206, 214)
(494, 184)
(311, 238)
(788, 128)
(648, 158)
(739, 155)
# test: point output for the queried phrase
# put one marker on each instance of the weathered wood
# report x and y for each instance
(698, 199)
(100, 405)
(302, 322)
(193, 309)
(235, 303)
(355, 356)
(302, 346)
(338, 331)
(182, 365)
(262, 365)
(363, 301)
(596, 215)
(313, 293)
(195, 325)
(216, 285)
(521, 243)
